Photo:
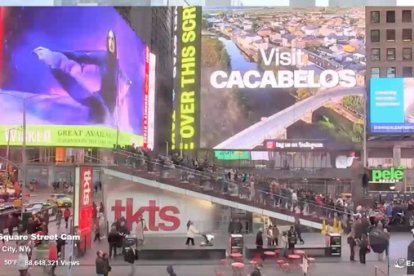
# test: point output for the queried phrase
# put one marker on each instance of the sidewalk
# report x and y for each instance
(325, 269)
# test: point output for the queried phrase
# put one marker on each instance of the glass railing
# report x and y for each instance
(215, 183)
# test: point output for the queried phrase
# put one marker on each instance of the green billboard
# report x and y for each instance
(389, 175)
(67, 136)
(231, 155)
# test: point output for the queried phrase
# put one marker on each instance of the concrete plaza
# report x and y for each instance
(324, 266)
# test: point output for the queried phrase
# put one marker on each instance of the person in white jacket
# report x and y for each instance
(191, 232)
(140, 226)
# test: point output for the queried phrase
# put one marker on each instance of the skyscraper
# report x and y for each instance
(356, 3)
(302, 3)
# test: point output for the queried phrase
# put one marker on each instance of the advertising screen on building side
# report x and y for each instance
(186, 94)
(274, 73)
(86, 199)
(391, 102)
(83, 80)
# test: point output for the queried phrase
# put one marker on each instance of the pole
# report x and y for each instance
(7, 159)
(24, 155)
(181, 147)
(117, 137)
(364, 138)
(388, 258)
(166, 148)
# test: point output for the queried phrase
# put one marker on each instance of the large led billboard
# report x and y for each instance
(82, 73)
(186, 75)
(391, 105)
(275, 73)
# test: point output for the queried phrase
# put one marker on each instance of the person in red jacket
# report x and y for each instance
(53, 257)
(66, 215)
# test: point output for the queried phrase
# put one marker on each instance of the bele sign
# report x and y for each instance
(389, 175)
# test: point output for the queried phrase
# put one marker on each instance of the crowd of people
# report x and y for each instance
(285, 240)
(270, 191)
(38, 223)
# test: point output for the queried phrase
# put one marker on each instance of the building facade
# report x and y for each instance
(389, 45)
(389, 41)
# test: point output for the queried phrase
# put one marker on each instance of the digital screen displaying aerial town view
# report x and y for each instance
(205, 141)
(301, 69)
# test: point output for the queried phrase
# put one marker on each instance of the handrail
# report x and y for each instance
(311, 203)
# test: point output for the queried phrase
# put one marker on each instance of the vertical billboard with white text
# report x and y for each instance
(284, 74)
(186, 94)
(146, 97)
(151, 102)
(85, 206)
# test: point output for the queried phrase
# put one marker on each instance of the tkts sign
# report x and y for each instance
(86, 185)
(160, 218)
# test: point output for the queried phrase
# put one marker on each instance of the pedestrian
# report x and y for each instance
(130, 256)
(102, 227)
(100, 264)
(113, 240)
(94, 211)
(257, 270)
(298, 231)
(276, 234)
(259, 239)
(139, 230)
(292, 240)
(60, 245)
(284, 245)
(11, 221)
(58, 218)
(191, 232)
(66, 215)
(23, 263)
(97, 232)
(352, 243)
(381, 255)
(108, 268)
(53, 257)
(170, 271)
(270, 241)
(101, 208)
(363, 249)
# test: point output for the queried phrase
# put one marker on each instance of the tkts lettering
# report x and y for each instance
(166, 214)
(87, 179)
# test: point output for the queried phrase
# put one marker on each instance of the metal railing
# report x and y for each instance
(216, 184)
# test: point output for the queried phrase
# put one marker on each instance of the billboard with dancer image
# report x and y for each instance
(81, 73)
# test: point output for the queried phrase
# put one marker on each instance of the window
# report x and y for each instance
(375, 54)
(407, 34)
(391, 72)
(375, 72)
(390, 35)
(390, 16)
(375, 36)
(390, 53)
(407, 54)
(407, 71)
(406, 16)
(375, 17)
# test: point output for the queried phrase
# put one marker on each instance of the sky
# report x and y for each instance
(320, 3)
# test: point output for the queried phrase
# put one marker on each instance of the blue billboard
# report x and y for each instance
(391, 105)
